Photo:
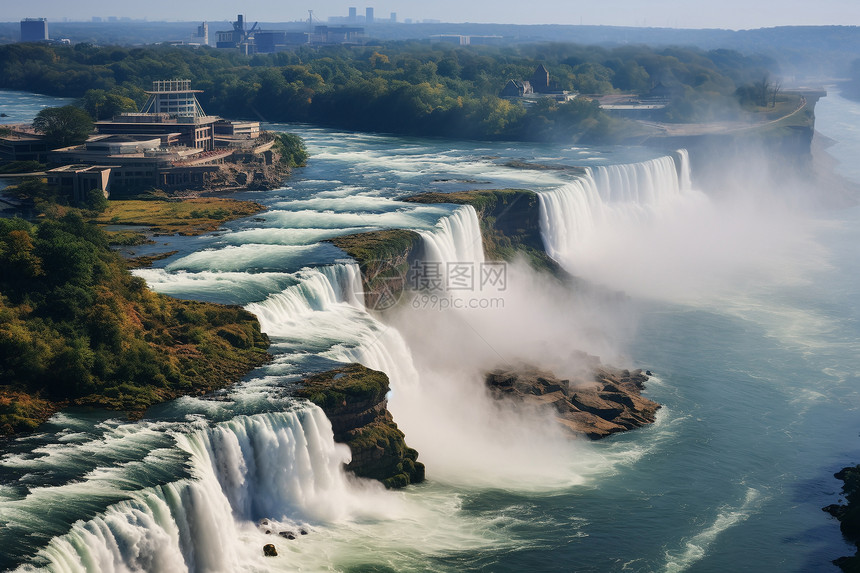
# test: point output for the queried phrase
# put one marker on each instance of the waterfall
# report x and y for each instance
(609, 194)
(456, 238)
(326, 309)
(318, 289)
(284, 467)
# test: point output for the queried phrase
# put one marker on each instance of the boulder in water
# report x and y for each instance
(601, 402)
(269, 550)
(287, 534)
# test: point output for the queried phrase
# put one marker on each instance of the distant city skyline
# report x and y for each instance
(731, 14)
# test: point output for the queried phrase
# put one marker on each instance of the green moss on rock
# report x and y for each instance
(384, 258)
(353, 399)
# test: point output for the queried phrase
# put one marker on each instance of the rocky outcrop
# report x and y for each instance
(384, 258)
(603, 402)
(848, 515)
(251, 171)
(353, 399)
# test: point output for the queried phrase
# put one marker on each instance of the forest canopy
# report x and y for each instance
(414, 88)
(77, 327)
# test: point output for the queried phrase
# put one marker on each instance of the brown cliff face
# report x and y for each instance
(603, 403)
(384, 258)
(353, 399)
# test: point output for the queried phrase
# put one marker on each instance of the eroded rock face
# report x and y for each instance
(848, 515)
(603, 402)
(353, 399)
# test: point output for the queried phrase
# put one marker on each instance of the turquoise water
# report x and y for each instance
(22, 107)
(746, 313)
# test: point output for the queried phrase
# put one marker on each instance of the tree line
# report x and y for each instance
(414, 88)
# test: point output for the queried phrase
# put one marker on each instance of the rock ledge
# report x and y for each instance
(606, 401)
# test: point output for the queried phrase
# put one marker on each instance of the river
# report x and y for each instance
(742, 303)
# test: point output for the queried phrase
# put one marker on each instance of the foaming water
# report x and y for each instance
(696, 547)
(256, 258)
(457, 239)
(226, 287)
(284, 467)
(757, 377)
(571, 213)
(643, 229)
(483, 441)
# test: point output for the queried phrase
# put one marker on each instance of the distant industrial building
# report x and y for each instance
(256, 41)
(459, 40)
(34, 29)
(271, 41)
(337, 35)
(202, 35)
(485, 40)
(239, 37)
(369, 17)
(455, 39)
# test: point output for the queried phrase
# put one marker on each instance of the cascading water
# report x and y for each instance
(326, 310)
(318, 289)
(283, 467)
(613, 193)
(722, 483)
(456, 239)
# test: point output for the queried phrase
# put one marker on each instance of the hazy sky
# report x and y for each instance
(734, 14)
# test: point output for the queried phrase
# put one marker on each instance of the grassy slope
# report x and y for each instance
(187, 217)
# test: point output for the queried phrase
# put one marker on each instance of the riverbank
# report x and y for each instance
(848, 515)
(76, 328)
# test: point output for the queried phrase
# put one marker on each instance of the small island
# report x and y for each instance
(353, 399)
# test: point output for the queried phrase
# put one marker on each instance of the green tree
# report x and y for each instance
(104, 105)
(292, 149)
(97, 201)
(63, 126)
